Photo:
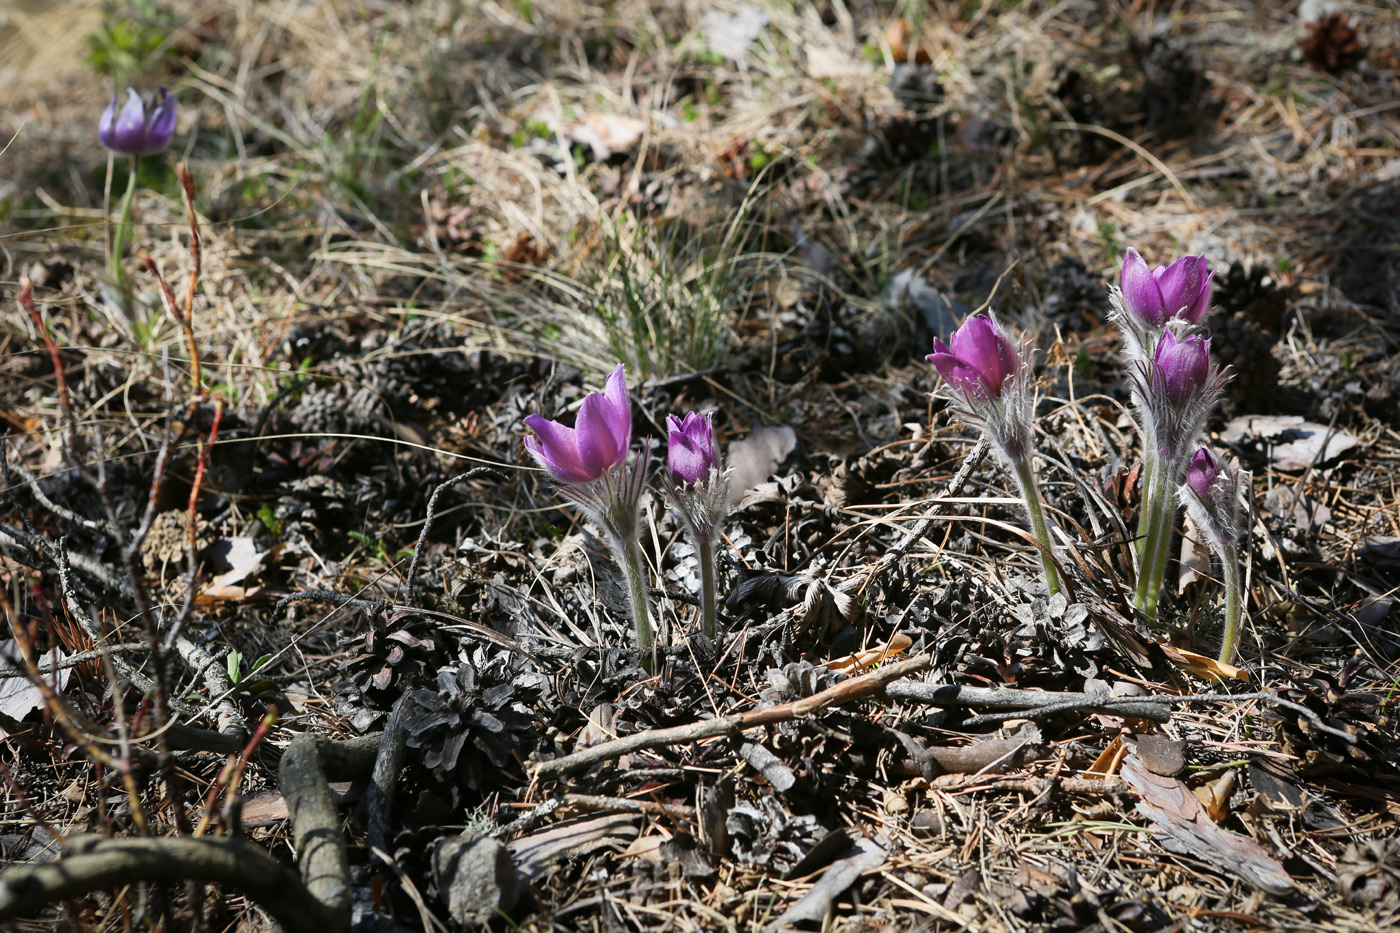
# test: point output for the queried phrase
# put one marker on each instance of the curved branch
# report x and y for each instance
(93, 863)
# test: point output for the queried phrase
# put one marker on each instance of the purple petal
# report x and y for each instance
(160, 124)
(1181, 284)
(1185, 364)
(131, 124)
(1196, 312)
(699, 429)
(982, 346)
(104, 126)
(555, 449)
(1201, 473)
(619, 408)
(1142, 296)
(957, 373)
(598, 448)
(686, 460)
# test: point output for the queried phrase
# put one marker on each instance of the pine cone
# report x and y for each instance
(1332, 44)
(1368, 875)
(1240, 343)
(1337, 703)
(1255, 293)
(320, 412)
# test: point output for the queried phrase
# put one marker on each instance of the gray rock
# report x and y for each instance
(476, 877)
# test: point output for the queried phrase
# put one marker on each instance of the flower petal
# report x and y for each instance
(619, 409)
(160, 123)
(106, 124)
(598, 448)
(686, 461)
(981, 345)
(1201, 474)
(131, 124)
(555, 449)
(1142, 296)
(1181, 284)
(1196, 311)
(959, 374)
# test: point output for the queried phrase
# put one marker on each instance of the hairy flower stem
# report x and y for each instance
(1030, 492)
(706, 546)
(1230, 569)
(629, 558)
(119, 239)
(1154, 537)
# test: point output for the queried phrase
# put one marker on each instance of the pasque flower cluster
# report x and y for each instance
(589, 463)
(988, 378)
(1175, 386)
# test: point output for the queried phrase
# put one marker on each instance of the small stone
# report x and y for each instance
(476, 877)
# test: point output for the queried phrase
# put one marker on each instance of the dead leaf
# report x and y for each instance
(1199, 665)
(898, 35)
(1109, 759)
(18, 696)
(604, 134)
(1380, 551)
(268, 807)
(1292, 443)
(1189, 830)
(1162, 755)
(753, 458)
(236, 558)
(1291, 505)
(647, 848)
(1215, 796)
(870, 657)
(985, 755)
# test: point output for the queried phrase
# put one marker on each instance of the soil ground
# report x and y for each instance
(419, 223)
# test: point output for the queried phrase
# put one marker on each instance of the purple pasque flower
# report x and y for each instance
(595, 445)
(1202, 472)
(1185, 364)
(978, 358)
(1215, 494)
(140, 127)
(690, 450)
(1181, 290)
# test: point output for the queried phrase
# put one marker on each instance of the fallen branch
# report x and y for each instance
(857, 688)
(92, 863)
(1027, 704)
(307, 767)
(318, 899)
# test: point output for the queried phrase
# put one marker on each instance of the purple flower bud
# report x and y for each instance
(1185, 364)
(139, 128)
(690, 452)
(1179, 290)
(596, 444)
(978, 358)
(1202, 472)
